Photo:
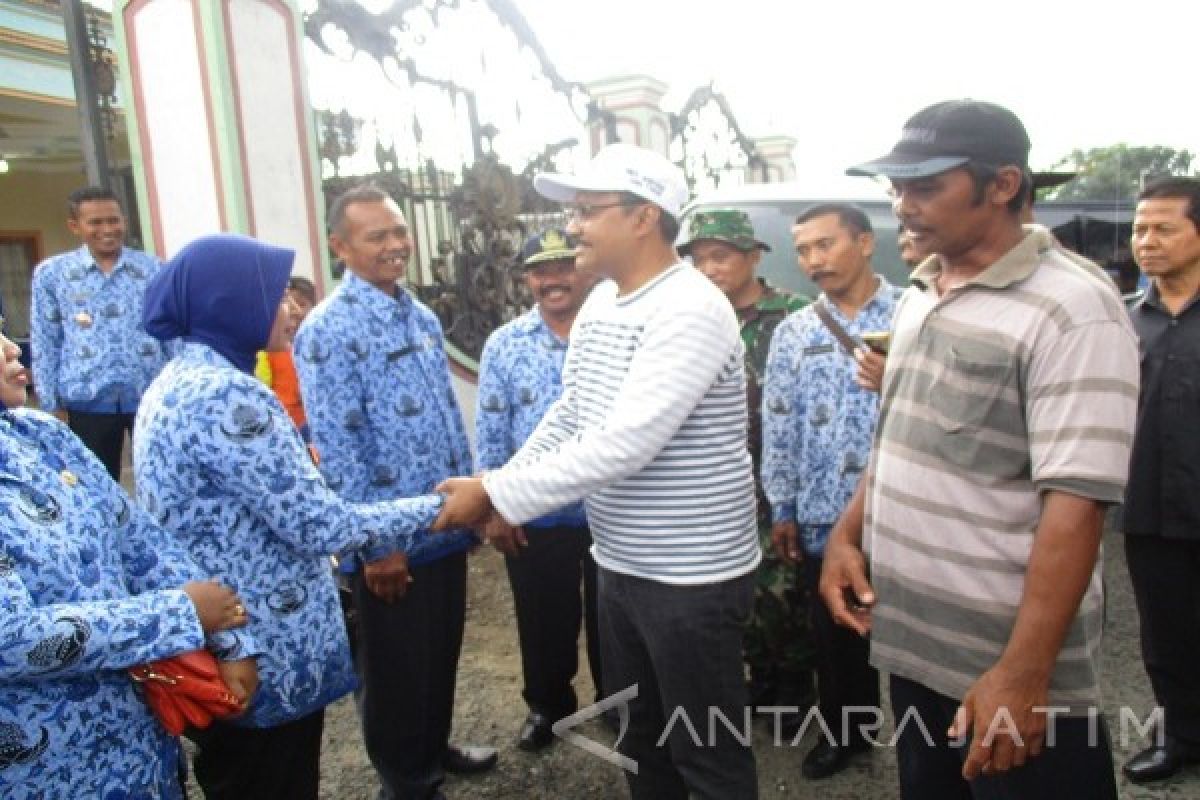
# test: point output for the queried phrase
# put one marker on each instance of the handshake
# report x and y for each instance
(466, 505)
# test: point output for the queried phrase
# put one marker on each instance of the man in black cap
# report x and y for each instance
(1007, 414)
(548, 559)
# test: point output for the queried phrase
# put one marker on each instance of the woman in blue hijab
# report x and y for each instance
(90, 586)
(219, 464)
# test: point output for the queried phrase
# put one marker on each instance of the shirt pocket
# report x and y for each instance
(971, 385)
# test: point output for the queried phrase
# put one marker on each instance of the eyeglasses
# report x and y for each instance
(586, 211)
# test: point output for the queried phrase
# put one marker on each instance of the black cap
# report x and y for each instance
(1048, 180)
(949, 134)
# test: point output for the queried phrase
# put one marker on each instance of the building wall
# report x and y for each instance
(37, 201)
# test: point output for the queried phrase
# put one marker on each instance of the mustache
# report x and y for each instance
(554, 288)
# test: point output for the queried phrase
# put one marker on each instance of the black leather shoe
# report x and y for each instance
(1159, 763)
(827, 759)
(467, 760)
(536, 733)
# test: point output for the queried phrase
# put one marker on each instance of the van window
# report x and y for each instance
(1098, 231)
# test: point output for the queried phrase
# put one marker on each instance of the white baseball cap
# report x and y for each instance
(621, 167)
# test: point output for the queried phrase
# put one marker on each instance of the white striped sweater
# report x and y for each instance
(651, 431)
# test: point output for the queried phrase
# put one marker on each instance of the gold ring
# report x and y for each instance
(239, 610)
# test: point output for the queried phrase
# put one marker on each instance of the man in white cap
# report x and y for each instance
(651, 431)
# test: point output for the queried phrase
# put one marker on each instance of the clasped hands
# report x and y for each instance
(467, 505)
(218, 608)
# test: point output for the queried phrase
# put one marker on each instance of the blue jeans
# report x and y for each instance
(682, 646)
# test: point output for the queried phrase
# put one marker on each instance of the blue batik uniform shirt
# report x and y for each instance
(89, 586)
(520, 377)
(90, 352)
(817, 421)
(219, 464)
(375, 382)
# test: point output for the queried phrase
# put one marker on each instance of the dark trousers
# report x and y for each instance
(682, 646)
(546, 580)
(1166, 585)
(407, 665)
(104, 435)
(278, 763)
(845, 678)
(1078, 764)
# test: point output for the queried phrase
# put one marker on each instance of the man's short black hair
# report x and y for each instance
(89, 194)
(1182, 188)
(853, 218)
(668, 225)
(363, 193)
(983, 174)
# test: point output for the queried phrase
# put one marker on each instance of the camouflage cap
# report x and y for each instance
(725, 225)
(549, 245)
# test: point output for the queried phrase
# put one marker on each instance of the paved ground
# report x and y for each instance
(489, 711)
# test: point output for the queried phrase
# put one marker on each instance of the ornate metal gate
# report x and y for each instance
(468, 222)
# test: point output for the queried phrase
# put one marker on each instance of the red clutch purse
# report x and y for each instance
(185, 690)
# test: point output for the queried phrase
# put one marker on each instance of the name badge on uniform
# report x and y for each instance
(818, 349)
(83, 319)
(422, 343)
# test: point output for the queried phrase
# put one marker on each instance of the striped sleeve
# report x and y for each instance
(1081, 407)
(679, 358)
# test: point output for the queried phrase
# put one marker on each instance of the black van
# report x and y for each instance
(1099, 231)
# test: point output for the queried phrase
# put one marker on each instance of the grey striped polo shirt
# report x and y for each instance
(1021, 381)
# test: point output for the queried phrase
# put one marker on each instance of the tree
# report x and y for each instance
(1115, 173)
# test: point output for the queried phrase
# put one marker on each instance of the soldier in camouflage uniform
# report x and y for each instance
(779, 650)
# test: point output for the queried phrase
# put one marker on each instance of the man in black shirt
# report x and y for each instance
(1162, 502)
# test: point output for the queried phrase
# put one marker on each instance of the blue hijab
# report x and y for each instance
(222, 291)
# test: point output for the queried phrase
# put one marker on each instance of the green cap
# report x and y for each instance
(725, 225)
(550, 245)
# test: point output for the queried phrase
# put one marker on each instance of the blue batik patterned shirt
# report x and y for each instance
(375, 383)
(90, 352)
(89, 586)
(520, 377)
(817, 422)
(219, 464)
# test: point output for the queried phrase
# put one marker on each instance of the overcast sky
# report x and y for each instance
(842, 77)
